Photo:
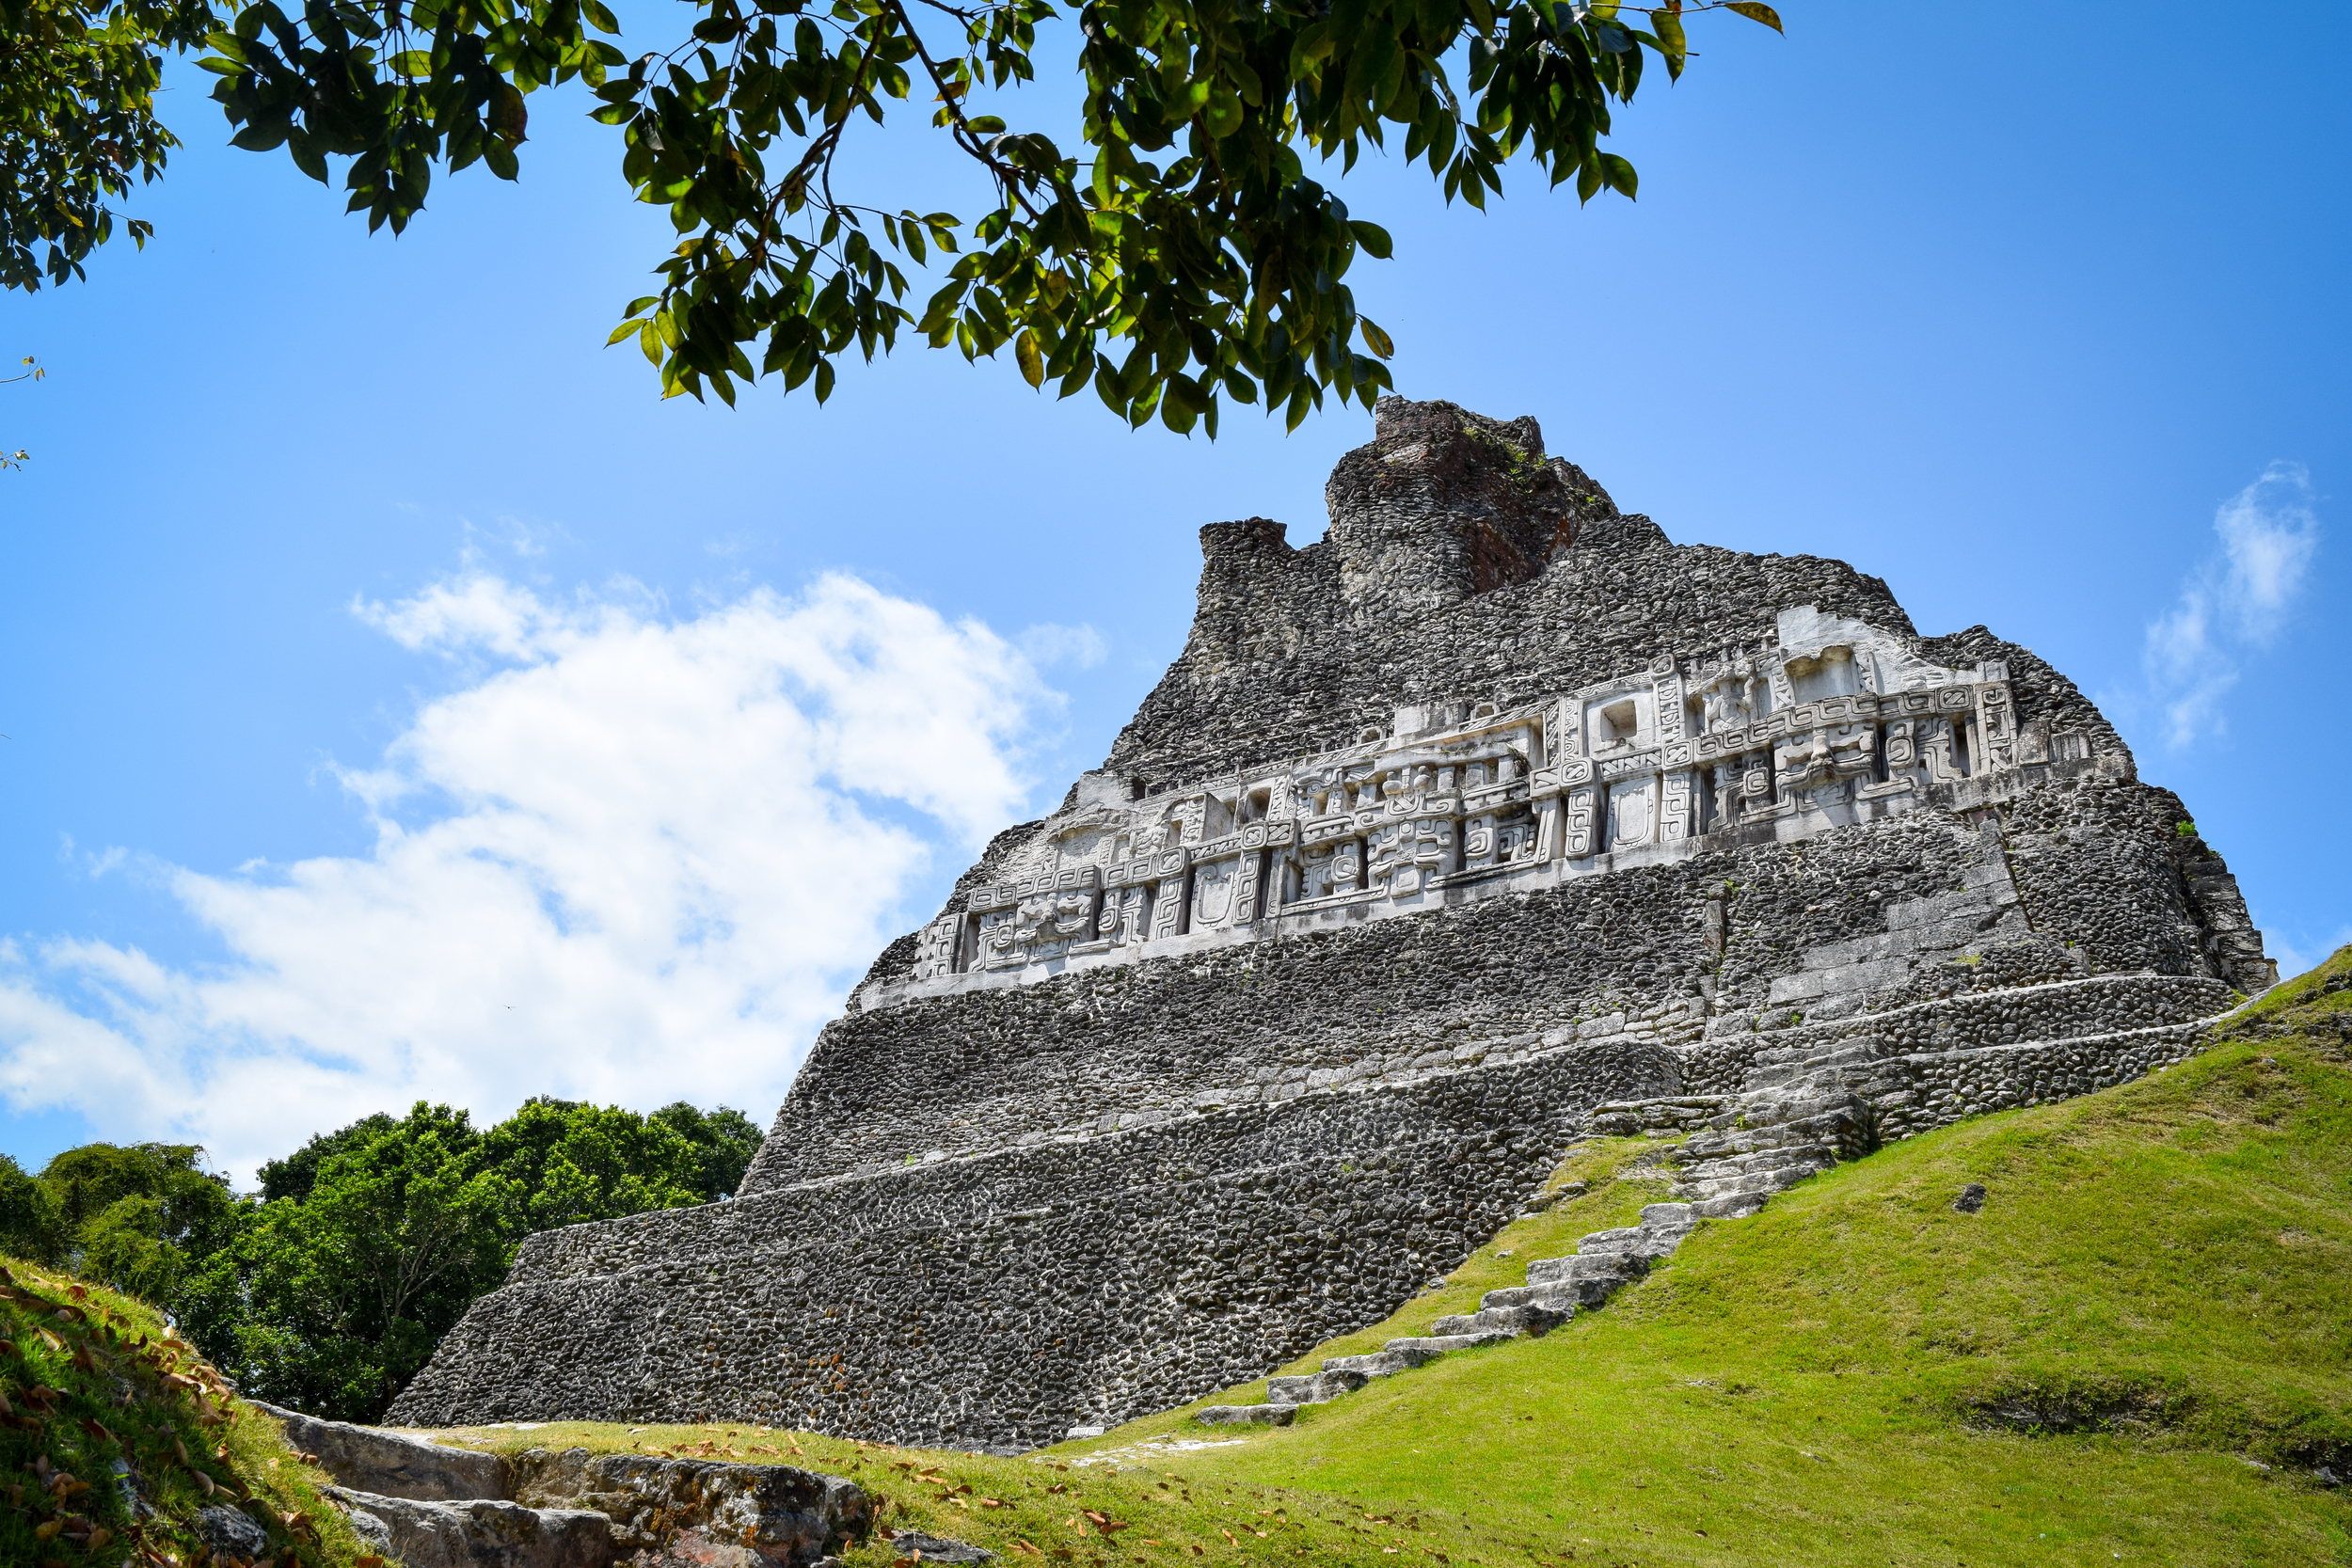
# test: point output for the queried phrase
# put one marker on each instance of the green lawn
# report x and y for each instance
(2168, 1263)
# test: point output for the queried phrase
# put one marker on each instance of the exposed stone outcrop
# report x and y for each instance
(368, 1458)
(483, 1533)
(1491, 808)
(433, 1505)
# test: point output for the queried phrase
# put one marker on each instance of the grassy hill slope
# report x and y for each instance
(2140, 1351)
(115, 1435)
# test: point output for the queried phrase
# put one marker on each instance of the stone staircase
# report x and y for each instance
(1603, 1263)
(1802, 1107)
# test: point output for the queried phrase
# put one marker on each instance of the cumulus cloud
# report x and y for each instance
(634, 858)
(2236, 601)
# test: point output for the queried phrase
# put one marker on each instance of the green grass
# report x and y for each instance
(2169, 1261)
(83, 1391)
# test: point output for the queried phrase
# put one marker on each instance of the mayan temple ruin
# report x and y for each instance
(1490, 820)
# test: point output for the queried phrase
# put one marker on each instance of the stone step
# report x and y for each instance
(1246, 1415)
(1733, 1164)
(1731, 1206)
(1314, 1388)
(1559, 1298)
(1793, 1157)
(1797, 1133)
(1618, 1267)
(1438, 1344)
(1638, 1240)
(1529, 1318)
(1778, 1179)
(1378, 1363)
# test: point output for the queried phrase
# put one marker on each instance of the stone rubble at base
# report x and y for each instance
(1409, 887)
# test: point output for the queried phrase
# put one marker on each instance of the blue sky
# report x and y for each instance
(402, 699)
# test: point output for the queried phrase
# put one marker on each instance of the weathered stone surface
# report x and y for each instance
(1270, 1414)
(392, 1464)
(785, 1514)
(1491, 808)
(230, 1531)
(486, 1532)
(1313, 1389)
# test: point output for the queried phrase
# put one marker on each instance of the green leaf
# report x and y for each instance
(1374, 238)
(1032, 363)
(1374, 339)
(1756, 10)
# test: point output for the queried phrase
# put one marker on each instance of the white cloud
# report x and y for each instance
(635, 859)
(1048, 643)
(2236, 601)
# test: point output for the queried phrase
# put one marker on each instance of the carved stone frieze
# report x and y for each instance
(1832, 723)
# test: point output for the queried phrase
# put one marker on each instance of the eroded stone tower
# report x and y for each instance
(1490, 807)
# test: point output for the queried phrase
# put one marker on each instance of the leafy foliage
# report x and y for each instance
(724, 1140)
(77, 120)
(331, 1302)
(135, 1217)
(380, 1235)
(1178, 254)
(30, 1224)
(329, 1290)
(297, 1173)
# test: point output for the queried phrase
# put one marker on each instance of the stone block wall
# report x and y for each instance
(2106, 1004)
(999, 1299)
(1934, 1089)
(1381, 1002)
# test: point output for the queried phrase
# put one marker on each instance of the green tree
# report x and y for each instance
(139, 1216)
(567, 1164)
(1179, 253)
(294, 1176)
(725, 1139)
(331, 1302)
(369, 1243)
(30, 1226)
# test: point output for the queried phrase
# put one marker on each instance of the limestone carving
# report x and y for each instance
(1829, 723)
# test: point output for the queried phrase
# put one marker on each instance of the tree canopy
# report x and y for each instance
(328, 1287)
(1169, 251)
